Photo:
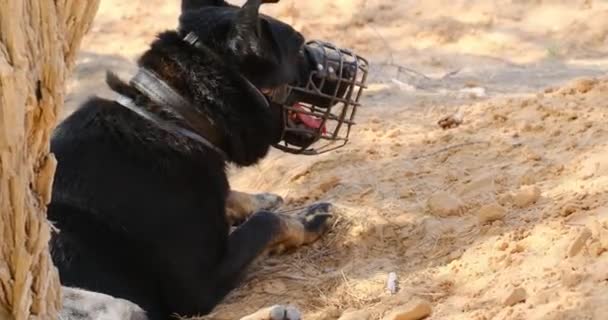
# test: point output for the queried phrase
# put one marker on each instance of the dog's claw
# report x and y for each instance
(276, 312)
(279, 312)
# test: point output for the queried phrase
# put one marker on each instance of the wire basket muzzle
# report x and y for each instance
(318, 115)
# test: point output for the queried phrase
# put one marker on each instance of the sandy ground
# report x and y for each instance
(504, 217)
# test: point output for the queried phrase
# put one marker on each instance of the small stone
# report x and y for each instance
(329, 313)
(394, 133)
(526, 196)
(406, 192)
(504, 199)
(570, 278)
(603, 238)
(579, 242)
(502, 246)
(595, 248)
(451, 121)
(585, 85)
(526, 126)
(414, 311)
(481, 184)
(355, 315)
(490, 213)
(527, 178)
(329, 184)
(516, 296)
(532, 155)
(443, 204)
(391, 283)
(89, 305)
(518, 248)
(569, 209)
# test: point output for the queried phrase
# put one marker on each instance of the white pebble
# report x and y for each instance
(391, 283)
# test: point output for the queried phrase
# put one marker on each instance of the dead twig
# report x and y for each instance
(386, 44)
(403, 69)
(419, 76)
(412, 72)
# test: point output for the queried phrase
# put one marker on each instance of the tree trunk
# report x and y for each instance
(38, 44)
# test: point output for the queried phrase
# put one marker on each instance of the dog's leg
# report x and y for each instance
(276, 312)
(241, 205)
(267, 231)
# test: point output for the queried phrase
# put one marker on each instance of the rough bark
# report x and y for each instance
(38, 43)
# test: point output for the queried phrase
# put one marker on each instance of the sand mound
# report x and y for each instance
(410, 204)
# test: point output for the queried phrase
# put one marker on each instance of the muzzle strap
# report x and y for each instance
(193, 40)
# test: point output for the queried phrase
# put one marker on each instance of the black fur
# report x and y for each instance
(141, 211)
(195, 4)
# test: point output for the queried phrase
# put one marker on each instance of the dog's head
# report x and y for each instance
(220, 50)
(313, 88)
(265, 50)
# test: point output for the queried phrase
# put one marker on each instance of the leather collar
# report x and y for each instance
(150, 85)
(157, 90)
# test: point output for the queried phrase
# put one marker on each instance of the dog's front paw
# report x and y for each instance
(268, 201)
(302, 228)
(316, 219)
(276, 312)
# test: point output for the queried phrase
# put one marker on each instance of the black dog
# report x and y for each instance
(140, 191)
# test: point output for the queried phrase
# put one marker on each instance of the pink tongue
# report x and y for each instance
(311, 122)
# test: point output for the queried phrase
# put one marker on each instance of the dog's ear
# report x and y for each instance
(244, 37)
(188, 5)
